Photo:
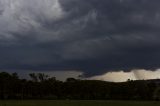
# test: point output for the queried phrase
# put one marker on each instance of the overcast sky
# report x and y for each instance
(92, 37)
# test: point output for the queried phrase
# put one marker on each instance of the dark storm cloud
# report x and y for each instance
(93, 36)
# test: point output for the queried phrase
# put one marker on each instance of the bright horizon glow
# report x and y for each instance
(121, 76)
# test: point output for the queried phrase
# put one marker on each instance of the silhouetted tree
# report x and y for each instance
(34, 77)
(42, 86)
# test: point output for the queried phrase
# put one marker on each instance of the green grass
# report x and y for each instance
(77, 103)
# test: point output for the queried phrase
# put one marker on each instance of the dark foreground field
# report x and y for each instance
(78, 103)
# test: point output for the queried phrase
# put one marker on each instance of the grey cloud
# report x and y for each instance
(91, 36)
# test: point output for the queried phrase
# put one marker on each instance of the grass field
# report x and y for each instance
(78, 103)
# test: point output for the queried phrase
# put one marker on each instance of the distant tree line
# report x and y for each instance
(42, 86)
